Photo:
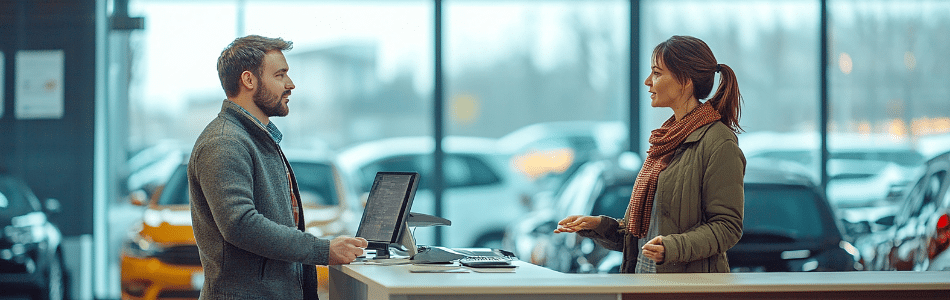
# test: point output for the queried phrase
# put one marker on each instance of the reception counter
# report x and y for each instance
(396, 282)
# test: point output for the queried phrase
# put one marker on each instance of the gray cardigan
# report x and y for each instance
(240, 185)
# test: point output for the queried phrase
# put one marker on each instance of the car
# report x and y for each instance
(160, 259)
(598, 187)
(483, 193)
(550, 151)
(920, 234)
(867, 174)
(788, 225)
(31, 252)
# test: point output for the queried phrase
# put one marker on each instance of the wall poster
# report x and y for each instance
(39, 90)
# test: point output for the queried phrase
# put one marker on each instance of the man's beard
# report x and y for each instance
(270, 104)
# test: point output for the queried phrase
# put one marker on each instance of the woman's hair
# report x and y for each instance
(246, 54)
(690, 58)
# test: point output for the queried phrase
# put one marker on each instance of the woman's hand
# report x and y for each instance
(654, 249)
(576, 223)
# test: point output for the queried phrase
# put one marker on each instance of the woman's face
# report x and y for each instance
(665, 91)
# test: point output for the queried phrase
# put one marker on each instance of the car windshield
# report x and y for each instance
(316, 182)
(781, 212)
(11, 200)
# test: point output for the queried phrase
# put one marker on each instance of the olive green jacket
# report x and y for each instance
(699, 201)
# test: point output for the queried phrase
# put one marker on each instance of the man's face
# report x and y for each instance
(273, 93)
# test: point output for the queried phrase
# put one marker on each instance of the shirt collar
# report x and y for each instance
(275, 133)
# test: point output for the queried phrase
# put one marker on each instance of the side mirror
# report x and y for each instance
(53, 206)
(138, 198)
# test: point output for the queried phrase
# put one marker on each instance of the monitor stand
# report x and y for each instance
(406, 240)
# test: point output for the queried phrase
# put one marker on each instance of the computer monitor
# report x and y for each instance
(387, 209)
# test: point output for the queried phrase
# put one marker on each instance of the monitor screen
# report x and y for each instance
(387, 208)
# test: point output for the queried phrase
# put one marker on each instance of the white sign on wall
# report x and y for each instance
(39, 90)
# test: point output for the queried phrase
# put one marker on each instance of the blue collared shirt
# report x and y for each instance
(271, 128)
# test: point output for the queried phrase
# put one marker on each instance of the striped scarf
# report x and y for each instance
(663, 142)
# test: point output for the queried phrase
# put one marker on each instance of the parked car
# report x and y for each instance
(920, 235)
(160, 260)
(599, 187)
(31, 253)
(788, 226)
(551, 151)
(482, 193)
(868, 174)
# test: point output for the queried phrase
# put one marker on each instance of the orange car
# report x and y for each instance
(160, 259)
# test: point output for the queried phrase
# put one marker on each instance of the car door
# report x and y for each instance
(909, 246)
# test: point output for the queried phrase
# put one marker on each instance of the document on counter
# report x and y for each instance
(510, 269)
(382, 261)
(437, 268)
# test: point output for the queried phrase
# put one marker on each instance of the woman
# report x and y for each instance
(686, 206)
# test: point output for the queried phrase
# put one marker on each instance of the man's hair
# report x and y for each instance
(245, 54)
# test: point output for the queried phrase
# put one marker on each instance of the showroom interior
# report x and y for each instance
(101, 100)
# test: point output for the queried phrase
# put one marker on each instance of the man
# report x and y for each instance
(248, 222)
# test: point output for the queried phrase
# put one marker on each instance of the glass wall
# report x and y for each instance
(544, 82)
(362, 70)
(532, 89)
(888, 100)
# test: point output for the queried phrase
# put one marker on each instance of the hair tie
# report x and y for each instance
(718, 68)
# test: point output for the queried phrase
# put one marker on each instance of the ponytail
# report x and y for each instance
(727, 98)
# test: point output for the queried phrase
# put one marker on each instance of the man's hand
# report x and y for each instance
(344, 249)
(576, 223)
(654, 249)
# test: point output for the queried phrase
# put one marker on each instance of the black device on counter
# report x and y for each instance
(387, 210)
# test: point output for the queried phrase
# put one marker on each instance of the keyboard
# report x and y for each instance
(486, 262)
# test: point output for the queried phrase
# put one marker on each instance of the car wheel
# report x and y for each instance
(55, 285)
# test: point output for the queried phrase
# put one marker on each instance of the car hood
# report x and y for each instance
(168, 225)
(172, 224)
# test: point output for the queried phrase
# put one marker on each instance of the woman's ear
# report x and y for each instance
(688, 86)
(248, 81)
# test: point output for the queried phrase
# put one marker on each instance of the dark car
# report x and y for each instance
(920, 234)
(599, 187)
(788, 225)
(31, 254)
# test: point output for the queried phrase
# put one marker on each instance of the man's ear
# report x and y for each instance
(248, 80)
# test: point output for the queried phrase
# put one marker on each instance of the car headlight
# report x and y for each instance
(142, 248)
(26, 229)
